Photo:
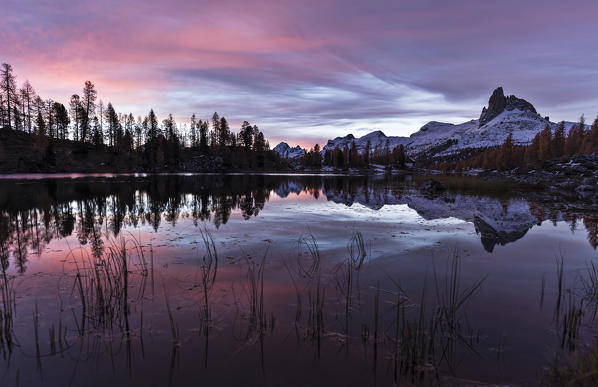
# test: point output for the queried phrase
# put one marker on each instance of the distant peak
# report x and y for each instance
(376, 133)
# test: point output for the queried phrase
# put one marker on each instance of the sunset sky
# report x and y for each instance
(305, 71)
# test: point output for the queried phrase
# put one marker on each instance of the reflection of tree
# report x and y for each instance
(33, 214)
(591, 225)
(89, 209)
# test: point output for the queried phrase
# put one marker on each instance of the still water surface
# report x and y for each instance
(287, 280)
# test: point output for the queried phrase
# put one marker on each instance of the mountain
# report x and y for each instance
(503, 116)
(285, 151)
(376, 138)
(497, 221)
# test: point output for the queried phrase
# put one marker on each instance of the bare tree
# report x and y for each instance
(27, 97)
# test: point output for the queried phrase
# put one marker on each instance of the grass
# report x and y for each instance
(7, 294)
(579, 371)
(417, 340)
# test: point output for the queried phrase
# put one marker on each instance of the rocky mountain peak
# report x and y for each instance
(498, 103)
(285, 151)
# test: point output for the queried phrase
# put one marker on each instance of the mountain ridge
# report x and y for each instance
(502, 116)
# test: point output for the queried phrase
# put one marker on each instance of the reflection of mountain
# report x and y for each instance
(32, 213)
(497, 222)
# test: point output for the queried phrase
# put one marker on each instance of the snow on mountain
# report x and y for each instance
(504, 116)
(288, 187)
(376, 138)
(496, 222)
(285, 151)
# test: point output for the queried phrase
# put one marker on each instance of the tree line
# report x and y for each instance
(87, 120)
(349, 156)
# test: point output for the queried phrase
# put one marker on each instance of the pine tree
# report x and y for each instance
(8, 91)
(88, 103)
(169, 127)
(152, 129)
(317, 157)
(98, 135)
(41, 125)
(203, 136)
(138, 132)
(61, 117)
(246, 135)
(223, 133)
(75, 108)
(112, 125)
(193, 132)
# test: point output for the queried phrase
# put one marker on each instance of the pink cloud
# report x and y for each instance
(266, 60)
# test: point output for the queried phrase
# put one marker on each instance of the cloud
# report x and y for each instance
(309, 70)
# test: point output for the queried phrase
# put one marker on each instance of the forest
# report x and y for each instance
(43, 135)
(93, 131)
(545, 146)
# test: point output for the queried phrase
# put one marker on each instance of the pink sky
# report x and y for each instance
(306, 71)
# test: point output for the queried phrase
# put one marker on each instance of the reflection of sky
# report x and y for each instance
(395, 229)
(307, 71)
(401, 245)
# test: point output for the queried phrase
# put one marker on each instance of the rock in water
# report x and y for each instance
(432, 186)
(498, 103)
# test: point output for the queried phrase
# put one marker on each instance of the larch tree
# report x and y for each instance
(558, 142)
(545, 143)
(505, 159)
(574, 140)
(366, 153)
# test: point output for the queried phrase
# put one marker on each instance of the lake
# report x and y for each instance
(295, 280)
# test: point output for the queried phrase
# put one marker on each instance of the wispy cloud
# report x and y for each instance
(309, 70)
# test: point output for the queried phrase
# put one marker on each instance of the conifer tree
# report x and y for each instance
(8, 91)
(89, 106)
(75, 109)
(544, 149)
(558, 142)
(203, 136)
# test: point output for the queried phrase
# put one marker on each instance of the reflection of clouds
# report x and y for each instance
(90, 210)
